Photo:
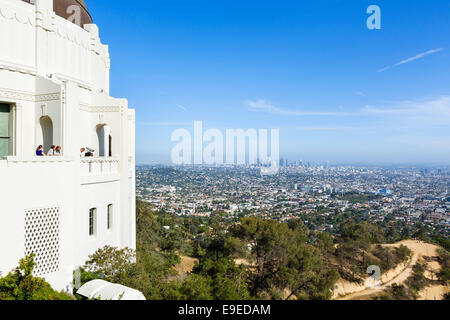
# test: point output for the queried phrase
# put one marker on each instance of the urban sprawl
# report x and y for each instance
(320, 195)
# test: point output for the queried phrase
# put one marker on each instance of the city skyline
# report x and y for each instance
(337, 91)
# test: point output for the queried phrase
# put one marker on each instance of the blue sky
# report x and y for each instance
(336, 90)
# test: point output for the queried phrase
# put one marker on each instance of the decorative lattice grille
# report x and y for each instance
(42, 239)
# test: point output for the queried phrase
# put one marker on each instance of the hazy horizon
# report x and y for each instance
(161, 160)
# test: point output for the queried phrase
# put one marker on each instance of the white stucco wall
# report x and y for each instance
(50, 67)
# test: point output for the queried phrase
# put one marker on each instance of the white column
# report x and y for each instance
(45, 25)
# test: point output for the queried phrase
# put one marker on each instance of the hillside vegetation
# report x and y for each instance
(189, 258)
(249, 258)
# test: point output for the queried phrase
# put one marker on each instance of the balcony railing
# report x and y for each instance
(37, 160)
(99, 166)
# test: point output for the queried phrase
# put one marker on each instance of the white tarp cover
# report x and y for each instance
(104, 290)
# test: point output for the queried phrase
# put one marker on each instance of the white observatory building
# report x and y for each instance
(54, 90)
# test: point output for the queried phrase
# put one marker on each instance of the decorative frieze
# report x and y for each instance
(96, 109)
(14, 95)
(8, 14)
(23, 96)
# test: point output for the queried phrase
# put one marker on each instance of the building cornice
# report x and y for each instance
(25, 96)
(13, 67)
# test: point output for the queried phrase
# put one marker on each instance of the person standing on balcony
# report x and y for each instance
(51, 152)
(89, 152)
(40, 151)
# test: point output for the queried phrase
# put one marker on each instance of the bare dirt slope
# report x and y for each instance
(185, 266)
(433, 293)
(419, 249)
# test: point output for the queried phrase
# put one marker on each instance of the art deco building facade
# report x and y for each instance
(54, 90)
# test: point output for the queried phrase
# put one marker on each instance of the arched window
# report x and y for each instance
(45, 133)
(104, 135)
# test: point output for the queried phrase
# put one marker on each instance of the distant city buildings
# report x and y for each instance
(380, 195)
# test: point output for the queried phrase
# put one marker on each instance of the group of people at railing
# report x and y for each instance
(55, 151)
(87, 152)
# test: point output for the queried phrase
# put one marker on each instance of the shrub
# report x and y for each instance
(22, 285)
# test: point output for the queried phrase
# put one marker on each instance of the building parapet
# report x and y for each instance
(34, 159)
(99, 166)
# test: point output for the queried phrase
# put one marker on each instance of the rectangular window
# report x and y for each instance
(109, 217)
(5, 130)
(92, 221)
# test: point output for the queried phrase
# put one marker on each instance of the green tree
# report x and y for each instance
(283, 258)
(22, 285)
(194, 287)
(111, 262)
(147, 271)
(235, 248)
(444, 260)
(362, 233)
(397, 292)
(325, 242)
(417, 281)
(227, 280)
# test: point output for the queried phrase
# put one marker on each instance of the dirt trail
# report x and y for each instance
(418, 248)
